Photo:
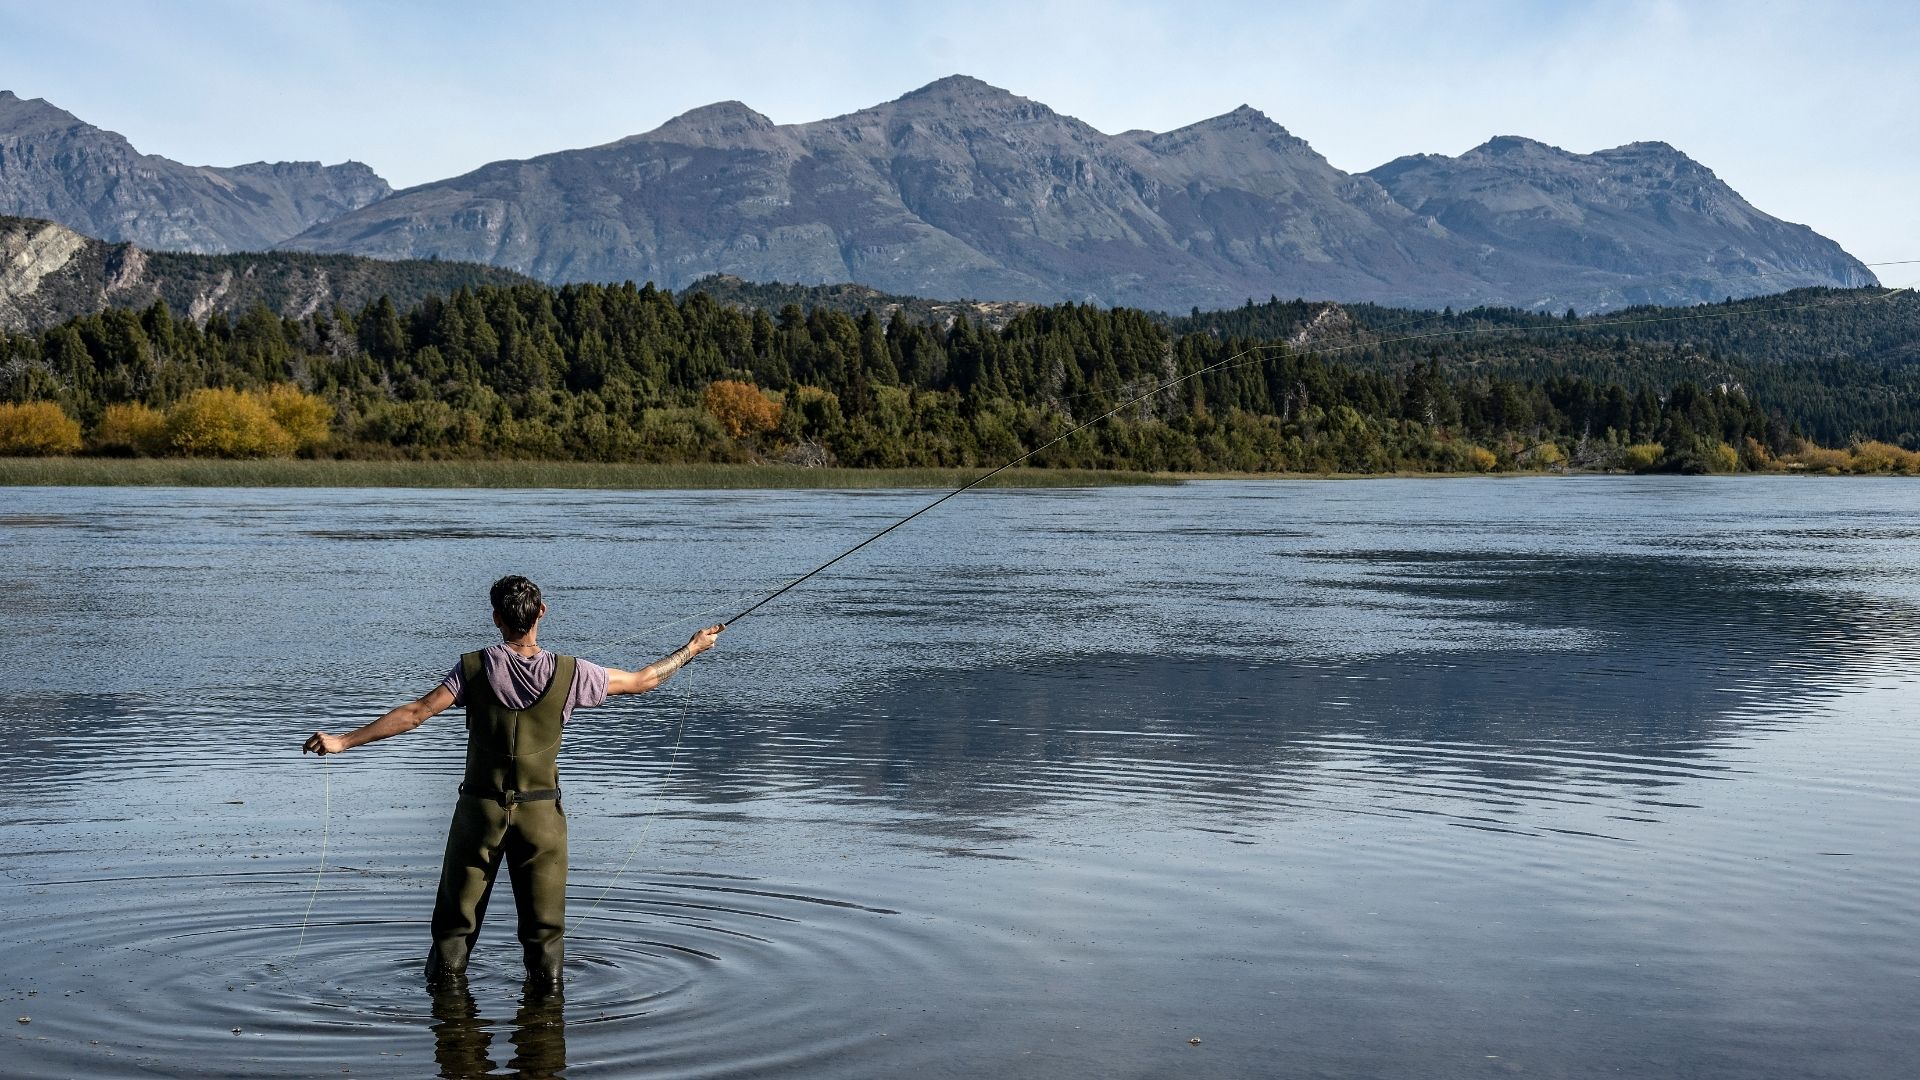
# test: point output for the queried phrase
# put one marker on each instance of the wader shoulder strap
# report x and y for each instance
(562, 684)
(473, 680)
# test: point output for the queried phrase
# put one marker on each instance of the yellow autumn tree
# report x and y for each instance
(37, 428)
(1880, 457)
(1641, 455)
(301, 415)
(132, 429)
(741, 408)
(226, 423)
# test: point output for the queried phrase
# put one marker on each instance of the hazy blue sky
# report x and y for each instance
(1810, 110)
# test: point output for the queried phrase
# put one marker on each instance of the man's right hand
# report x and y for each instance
(324, 744)
(704, 640)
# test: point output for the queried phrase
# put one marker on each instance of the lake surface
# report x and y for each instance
(1426, 778)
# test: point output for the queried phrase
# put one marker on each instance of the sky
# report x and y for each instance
(1809, 110)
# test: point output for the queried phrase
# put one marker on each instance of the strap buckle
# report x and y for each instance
(508, 799)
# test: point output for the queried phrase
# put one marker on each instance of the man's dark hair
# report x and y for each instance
(517, 601)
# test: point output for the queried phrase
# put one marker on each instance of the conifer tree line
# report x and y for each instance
(632, 373)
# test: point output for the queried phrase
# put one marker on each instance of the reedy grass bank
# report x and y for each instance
(298, 472)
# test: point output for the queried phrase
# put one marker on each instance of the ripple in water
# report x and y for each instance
(692, 976)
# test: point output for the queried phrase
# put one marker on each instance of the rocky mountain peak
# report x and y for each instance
(1658, 156)
(1512, 147)
(964, 95)
(1255, 124)
(1238, 140)
(33, 116)
(1653, 148)
(958, 87)
(719, 118)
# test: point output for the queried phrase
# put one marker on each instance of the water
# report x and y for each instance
(1565, 778)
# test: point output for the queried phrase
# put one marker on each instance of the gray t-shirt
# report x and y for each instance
(518, 681)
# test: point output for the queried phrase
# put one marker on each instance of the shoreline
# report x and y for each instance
(309, 473)
(625, 476)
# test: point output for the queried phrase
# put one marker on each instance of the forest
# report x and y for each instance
(630, 373)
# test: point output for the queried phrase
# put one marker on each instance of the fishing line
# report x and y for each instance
(326, 821)
(647, 632)
(680, 729)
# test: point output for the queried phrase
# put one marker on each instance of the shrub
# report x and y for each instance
(1641, 456)
(226, 423)
(132, 429)
(37, 428)
(1545, 455)
(741, 408)
(1820, 459)
(1482, 459)
(1722, 458)
(301, 415)
(1880, 457)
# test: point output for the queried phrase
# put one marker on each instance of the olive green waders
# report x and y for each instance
(509, 809)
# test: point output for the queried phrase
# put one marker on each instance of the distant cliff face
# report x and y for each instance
(49, 273)
(54, 166)
(961, 189)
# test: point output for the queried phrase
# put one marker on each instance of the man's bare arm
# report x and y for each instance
(639, 682)
(395, 722)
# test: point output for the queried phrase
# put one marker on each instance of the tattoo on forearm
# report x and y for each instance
(664, 667)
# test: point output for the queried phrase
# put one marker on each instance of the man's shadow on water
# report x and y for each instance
(461, 1040)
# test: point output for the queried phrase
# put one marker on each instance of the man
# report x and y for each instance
(518, 697)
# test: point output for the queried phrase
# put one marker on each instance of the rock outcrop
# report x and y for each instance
(49, 273)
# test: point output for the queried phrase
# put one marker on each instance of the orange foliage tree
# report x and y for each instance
(741, 408)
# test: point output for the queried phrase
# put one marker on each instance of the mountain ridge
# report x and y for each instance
(961, 188)
(55, 166)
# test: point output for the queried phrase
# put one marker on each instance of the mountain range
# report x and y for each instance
(963, 189)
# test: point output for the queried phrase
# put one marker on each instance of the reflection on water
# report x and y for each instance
(463, 1039)
(1428, 778)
